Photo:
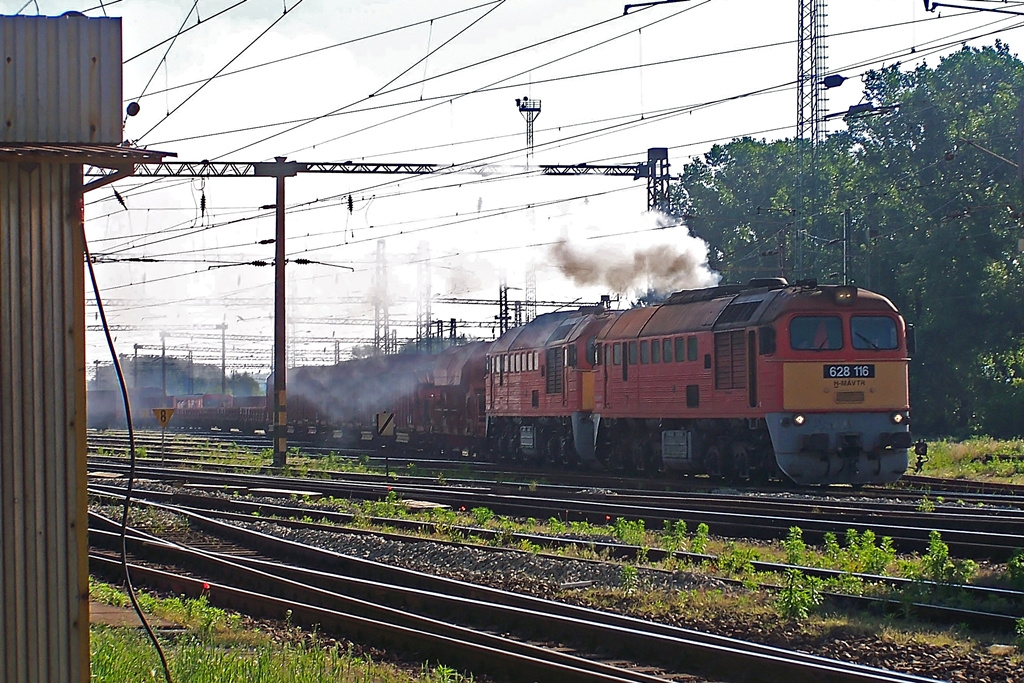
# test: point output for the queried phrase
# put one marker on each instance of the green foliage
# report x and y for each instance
(799, 596)
(556, 525)
(926, 504)
(938, 567)
(629, 532)
(482, 515)
(1015, 569)
(861, 555)
(630, 578)
(1020, 634)
(699, 543)
(737, 560)
(832, 549)
(933, 225)
(796, 549)
(674, 535)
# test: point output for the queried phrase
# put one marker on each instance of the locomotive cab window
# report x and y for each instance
(680, 349)
(874, 332)
(632, 353)
(617, 353)
(656, 351)
(816, 333)
(645, 352)
(666, 350)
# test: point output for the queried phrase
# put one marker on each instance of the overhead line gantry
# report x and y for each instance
(655, 170)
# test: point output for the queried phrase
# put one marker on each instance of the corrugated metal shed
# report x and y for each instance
(43, 555)
(68, 93)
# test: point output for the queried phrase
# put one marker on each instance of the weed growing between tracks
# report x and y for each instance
(216, 645)
(981, 458)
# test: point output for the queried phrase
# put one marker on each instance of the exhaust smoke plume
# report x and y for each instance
(681, 263)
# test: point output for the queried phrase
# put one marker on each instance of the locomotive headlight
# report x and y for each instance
(845, 296)
(799, 420)
(898, 418)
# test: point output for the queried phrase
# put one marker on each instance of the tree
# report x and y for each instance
(934, 209)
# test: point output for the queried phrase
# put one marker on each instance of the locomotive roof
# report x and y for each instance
(731, 307)
(535, 333)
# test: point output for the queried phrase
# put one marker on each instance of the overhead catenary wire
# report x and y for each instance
(288, 10)
(449, 95)
(307, 53)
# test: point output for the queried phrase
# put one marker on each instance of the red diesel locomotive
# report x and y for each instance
(732, 381)
(736, 381)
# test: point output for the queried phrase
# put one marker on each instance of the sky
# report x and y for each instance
(401, 81)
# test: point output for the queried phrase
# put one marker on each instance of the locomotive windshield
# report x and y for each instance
(816, 333)
(875, 332)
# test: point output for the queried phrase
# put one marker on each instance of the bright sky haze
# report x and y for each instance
(436, 82)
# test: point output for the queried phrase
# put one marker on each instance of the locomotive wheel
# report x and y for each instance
(713, 461)
(739, 462)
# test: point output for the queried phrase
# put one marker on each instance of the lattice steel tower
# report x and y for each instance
(423, 295)
(381, 316)
(530, 109)
(810, 92)
(810, 116)
(531, 294)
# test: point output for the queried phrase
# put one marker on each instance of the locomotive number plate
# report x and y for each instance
(849, 371)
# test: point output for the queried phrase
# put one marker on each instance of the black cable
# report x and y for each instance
(437, 104)
(230, 61)
(434, 51)
(484, 61)
(131, 469)
(326, 47)
(166, 40)
(195, 4)
(644, 122)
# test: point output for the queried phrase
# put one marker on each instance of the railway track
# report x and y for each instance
(328, 521)
(181, 447)
(976, 533)
(506, 635)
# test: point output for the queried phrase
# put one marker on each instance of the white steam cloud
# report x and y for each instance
(679, 263)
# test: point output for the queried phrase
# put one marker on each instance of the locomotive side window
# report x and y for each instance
(691, 348)
(816, 333)
(656, 351)
(632, 353)
(592, 351)
(535, 360)
(617, 353)
(645, 352)
(875, 332)
(666, 350)
(680, 349)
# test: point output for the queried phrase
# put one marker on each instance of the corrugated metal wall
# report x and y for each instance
(43, 554)
(60, 79)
